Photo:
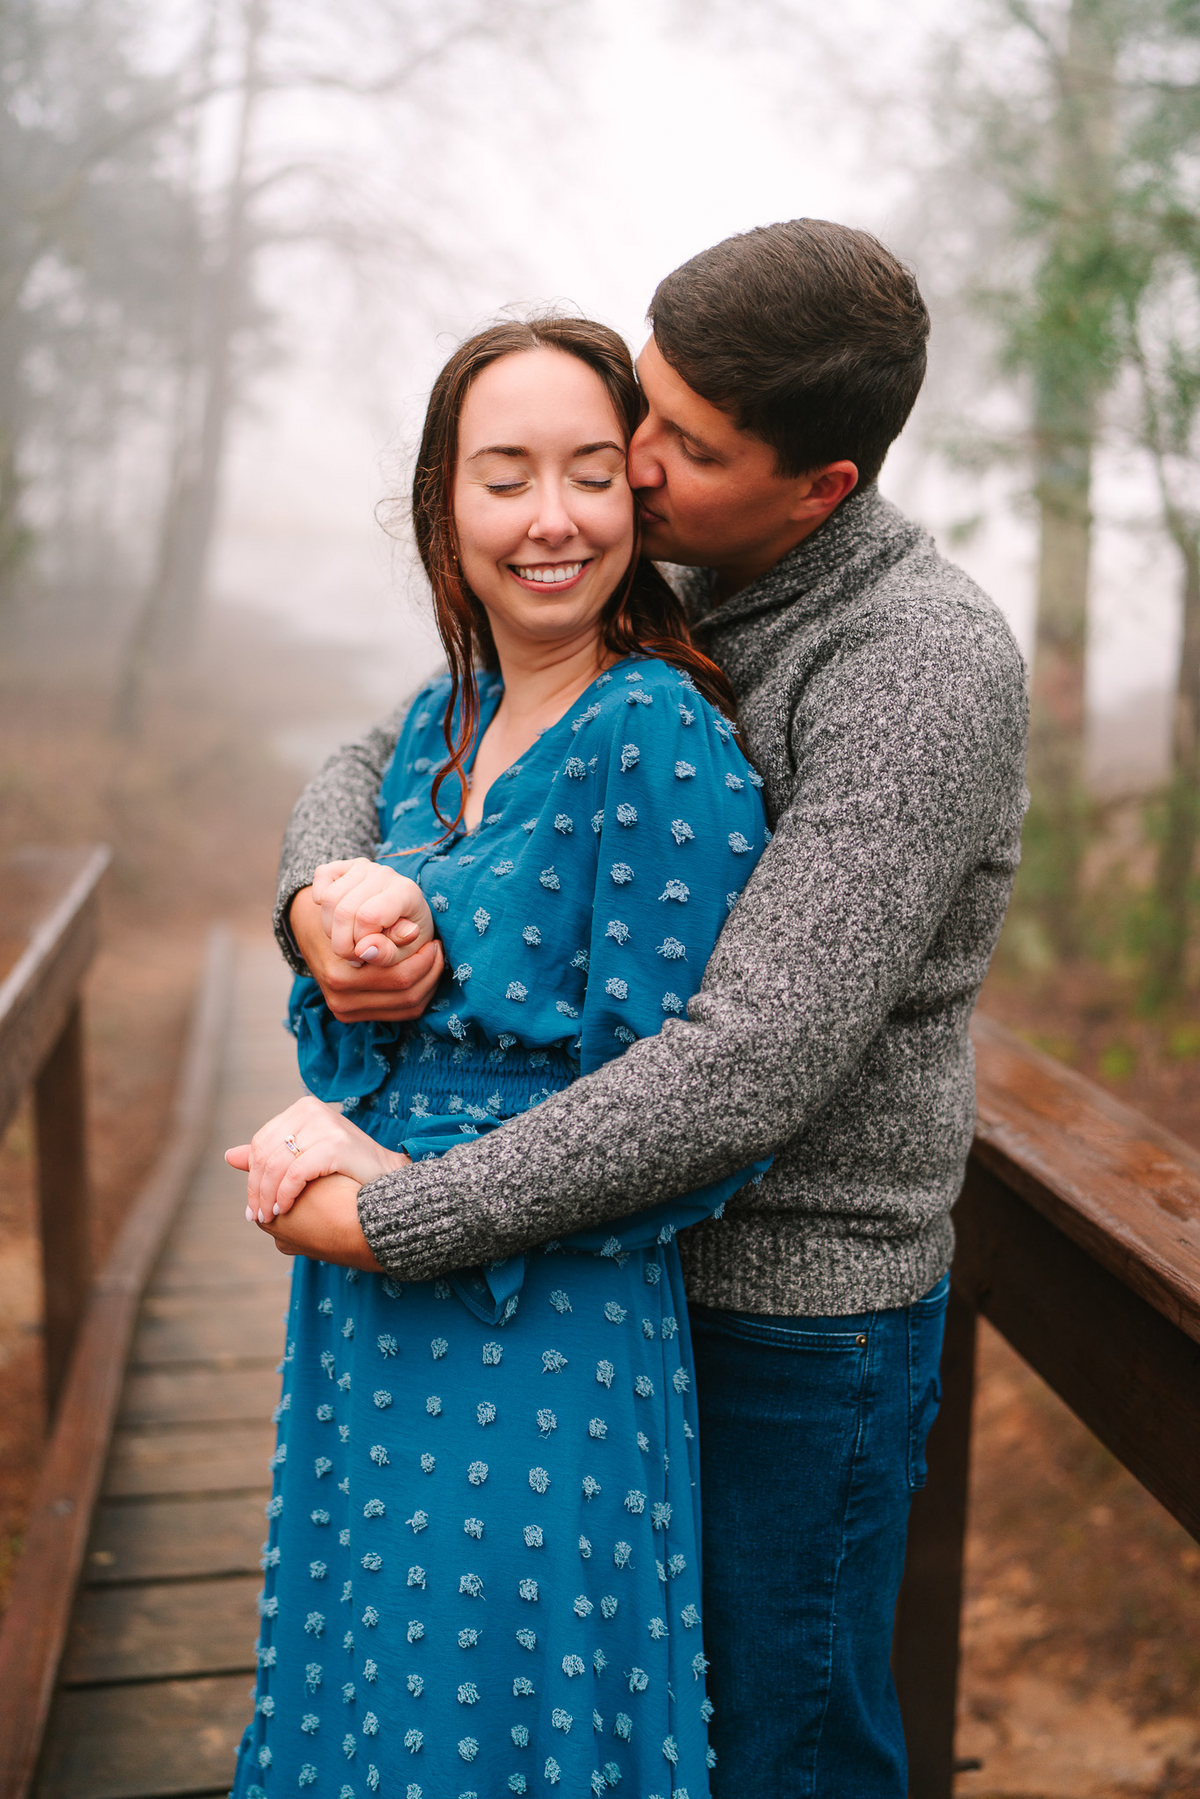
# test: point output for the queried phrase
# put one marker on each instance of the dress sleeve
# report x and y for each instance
(681, 826)
(680, 829)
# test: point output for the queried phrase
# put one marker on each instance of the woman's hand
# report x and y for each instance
(303, 1144)
(372, 913)
(324, 1224)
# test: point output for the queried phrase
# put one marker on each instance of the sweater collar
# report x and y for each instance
(865, 527)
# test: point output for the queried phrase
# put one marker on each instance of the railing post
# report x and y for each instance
(925, 1645)
(63, 1195)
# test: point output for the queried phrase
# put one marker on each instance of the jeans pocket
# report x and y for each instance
(926, 1326)
(802, 1336)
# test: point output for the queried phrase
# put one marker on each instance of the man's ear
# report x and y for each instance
(819, 493)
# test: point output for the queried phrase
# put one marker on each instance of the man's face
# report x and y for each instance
(710, 494)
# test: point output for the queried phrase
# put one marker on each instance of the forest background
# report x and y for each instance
(236, 240)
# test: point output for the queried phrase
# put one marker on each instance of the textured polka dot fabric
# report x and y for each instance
(482, 1565)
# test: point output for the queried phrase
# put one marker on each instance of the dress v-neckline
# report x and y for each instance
(496, 693)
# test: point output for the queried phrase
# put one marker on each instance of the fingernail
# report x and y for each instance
(261, 1219)
(249, 1216)
(353, 963)
(275, 1210)
(368, 955)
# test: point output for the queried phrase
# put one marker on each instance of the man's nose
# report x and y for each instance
(642, 464)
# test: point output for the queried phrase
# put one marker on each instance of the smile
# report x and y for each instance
(548, 574)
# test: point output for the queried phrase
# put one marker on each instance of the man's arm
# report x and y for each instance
(910, 758)
(334, 819)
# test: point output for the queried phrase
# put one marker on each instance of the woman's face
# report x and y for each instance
(542, 506)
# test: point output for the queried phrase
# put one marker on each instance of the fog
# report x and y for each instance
(646, 137)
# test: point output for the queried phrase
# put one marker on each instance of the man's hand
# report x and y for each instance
(300, 1145)
(366, 994)
(324, 1224)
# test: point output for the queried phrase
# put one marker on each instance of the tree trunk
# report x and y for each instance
(137, 667)
(1071, 371)
(165, 629)
(1181, 827)
(15, 538)
(199, 497)
(1058, 814)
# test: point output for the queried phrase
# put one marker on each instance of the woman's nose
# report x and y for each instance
(554, 524)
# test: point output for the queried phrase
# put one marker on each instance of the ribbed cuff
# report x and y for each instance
(413, 1222)
(294, 882)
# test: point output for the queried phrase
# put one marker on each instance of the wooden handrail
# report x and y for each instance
(35, 1625)
(1078, 1238)
(1120, 1186)
(52, 895)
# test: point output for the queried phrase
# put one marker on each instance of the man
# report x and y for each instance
(882, 699)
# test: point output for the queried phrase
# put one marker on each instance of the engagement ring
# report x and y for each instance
(291, 1144)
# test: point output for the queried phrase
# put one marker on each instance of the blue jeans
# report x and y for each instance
(812, 1442)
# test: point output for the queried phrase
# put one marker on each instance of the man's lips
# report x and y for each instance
(649, 515)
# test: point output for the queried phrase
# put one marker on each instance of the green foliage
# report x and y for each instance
(1076, 123)
(93, 204)
(1118, 1060)
(1183, 1043)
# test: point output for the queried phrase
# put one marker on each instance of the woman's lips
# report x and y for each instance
(549, 577)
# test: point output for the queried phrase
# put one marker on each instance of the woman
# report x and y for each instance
(483, 1566)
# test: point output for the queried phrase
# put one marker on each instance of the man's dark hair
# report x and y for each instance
(810, 335)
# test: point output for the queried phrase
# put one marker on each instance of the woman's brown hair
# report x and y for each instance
(642, 614)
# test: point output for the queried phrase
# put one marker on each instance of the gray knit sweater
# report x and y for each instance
(883, 699)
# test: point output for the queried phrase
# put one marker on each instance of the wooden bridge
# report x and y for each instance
(151, 1689)
(127, 1652)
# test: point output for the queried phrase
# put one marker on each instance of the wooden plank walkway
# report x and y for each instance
(153, 1691)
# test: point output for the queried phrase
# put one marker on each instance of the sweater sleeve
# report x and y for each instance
(335, 819)
(905, 750)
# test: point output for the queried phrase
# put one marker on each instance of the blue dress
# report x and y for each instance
(483, 1559)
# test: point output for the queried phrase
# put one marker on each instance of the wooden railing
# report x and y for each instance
(48, 935)
(50, 930)
(1079, 1241)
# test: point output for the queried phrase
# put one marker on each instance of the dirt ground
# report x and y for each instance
(1081, 1675)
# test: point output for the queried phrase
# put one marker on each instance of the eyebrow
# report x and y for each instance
(522, 450)
(694, 439)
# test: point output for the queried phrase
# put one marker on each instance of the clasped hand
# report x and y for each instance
(367, 936)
